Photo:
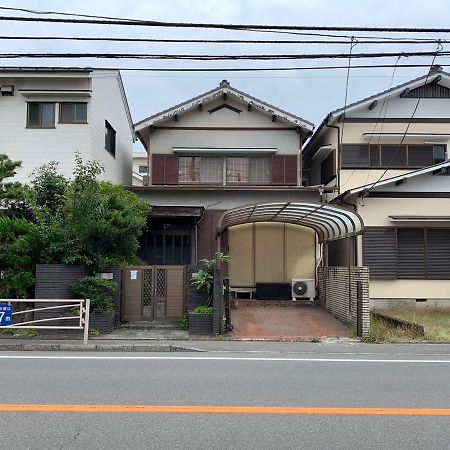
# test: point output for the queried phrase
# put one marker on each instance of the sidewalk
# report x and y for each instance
(326, 346)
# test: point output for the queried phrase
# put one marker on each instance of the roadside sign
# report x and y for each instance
(6, 312)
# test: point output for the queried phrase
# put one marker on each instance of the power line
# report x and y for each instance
(366, 192)
(238, 27)
(205, 57)
(216, 41)
(215, 69)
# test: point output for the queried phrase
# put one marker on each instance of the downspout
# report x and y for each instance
(338, 168)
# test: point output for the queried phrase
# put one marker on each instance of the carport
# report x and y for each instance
(343, 290)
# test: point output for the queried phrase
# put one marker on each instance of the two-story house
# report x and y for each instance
(387, 158)
(50, 114)
(214, 162)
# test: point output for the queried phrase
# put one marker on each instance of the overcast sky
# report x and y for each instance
(309, 94)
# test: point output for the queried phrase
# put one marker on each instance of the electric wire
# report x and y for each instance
(367, 191)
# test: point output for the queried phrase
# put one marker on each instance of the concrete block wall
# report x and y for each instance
(338, 293)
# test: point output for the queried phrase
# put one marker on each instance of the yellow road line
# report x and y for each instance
(226, 410)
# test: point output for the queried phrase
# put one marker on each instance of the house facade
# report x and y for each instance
(213, 154)
(386, 156)
(50, 114)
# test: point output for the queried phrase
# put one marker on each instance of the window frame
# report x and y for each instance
(48, 127)
(110, 142)
(377, 149)
(73, 121)
(427, 255)
(249, 182)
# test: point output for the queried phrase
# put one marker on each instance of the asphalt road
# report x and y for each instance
(344, 383)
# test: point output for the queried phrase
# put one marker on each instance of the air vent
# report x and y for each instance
(7, 90)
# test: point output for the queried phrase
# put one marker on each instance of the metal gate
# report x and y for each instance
(153, 293)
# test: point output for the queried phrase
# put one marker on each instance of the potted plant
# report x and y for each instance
(99, 291)
(201, 318)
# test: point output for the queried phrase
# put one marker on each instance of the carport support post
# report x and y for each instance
(217, 303)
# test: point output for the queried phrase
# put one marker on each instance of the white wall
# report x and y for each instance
(108, 104)
(33, 146)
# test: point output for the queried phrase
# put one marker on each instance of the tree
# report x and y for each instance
(86, 221)
(11, 193)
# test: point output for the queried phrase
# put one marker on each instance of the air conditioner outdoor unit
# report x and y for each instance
(303, 288)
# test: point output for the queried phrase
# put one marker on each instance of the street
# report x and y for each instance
(407, 393)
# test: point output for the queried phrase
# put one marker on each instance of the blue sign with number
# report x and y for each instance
(6, 312)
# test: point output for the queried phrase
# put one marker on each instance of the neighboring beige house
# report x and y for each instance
(50, 114)
(386, 156)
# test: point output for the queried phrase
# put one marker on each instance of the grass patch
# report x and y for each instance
(436, 323)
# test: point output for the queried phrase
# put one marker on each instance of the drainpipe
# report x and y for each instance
(338, 168)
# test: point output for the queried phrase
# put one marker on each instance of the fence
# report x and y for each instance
(8, 316)
(344, 291)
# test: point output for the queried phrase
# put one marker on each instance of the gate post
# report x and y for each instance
(217, 303)
(359, 309)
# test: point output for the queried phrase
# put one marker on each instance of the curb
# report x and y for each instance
(93, 348)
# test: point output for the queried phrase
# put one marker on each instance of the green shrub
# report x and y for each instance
(99, 292)
(203, 279)
(183, 323)
(206, 310)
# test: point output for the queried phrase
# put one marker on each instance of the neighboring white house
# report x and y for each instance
(140, 169)
(50, 114)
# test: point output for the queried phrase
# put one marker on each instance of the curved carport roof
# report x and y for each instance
(330, 223)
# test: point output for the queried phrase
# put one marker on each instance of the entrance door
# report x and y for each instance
(153, 293)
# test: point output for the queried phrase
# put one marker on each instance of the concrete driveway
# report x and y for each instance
(277, 322)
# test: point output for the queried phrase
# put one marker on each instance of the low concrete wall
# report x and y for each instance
(339, 288)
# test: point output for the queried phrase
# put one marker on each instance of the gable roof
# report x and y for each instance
(411, 85)
(225, 88)
(435, 168)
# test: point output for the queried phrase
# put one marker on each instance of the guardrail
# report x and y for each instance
(7, 315)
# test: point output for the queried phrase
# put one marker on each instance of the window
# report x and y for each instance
(395, 156)
(73, 112)
(327, 169)
(41, 115)
(200, 169)
(110, 138)
(166, 247)
(143, 169)
(408, 253)
(249, 170)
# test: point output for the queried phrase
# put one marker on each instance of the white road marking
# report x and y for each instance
(222, 358)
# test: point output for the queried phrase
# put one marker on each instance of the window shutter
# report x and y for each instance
(355, 156)
(420, 155)
(438, 253)
(158, 169)
(278, 169)
(284, 169)
(170, 169)
(411, 252)
(290, 169)
(380, 252)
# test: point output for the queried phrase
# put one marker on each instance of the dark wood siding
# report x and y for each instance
(207, 234)
(171, 169)
(284, 169)
(380, 252)
(165, 169)
(158, 169)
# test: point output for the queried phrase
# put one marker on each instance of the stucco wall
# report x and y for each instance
(285, 141)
